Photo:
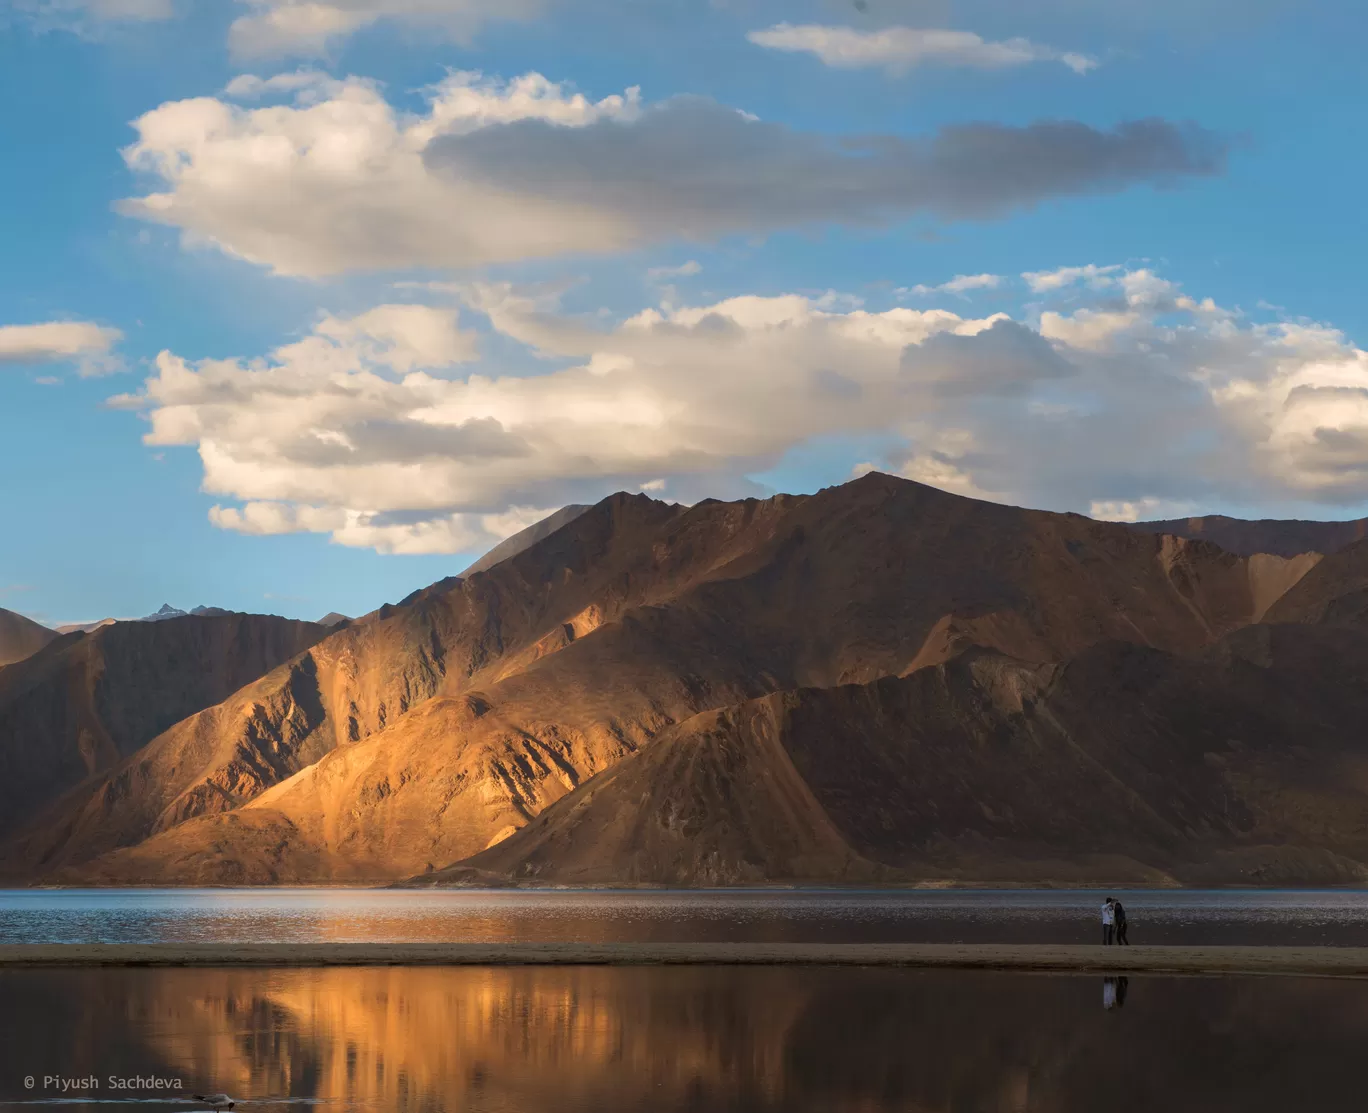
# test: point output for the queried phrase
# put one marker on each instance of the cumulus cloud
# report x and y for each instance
(900, 49)
(342, 432)
(337, 180)
(88, 346)
(1005, 358)
(1138, 296)
(1177, 402)
(390, 430)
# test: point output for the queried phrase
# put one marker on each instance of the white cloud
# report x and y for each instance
(1126, 510)
(933, 461)
(389, 430)
(900, 49)
(403, 337)
(342, 433)
(1138, 296)
(450, 533)
(684, 270)
(279, 28)
(338, 180)
(1094, 276)
(961, 284)
(295, 28)
(1093, 330)
(86, 345)
(248, 86)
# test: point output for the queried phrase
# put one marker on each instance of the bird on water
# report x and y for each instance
(215, 1101)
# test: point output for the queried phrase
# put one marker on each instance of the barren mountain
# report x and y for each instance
(86, 701)
(87, 627)
(1335, 591)
(1284, 538)
(1246, 761)
(642, 643)
(526, 538)
(21, 637)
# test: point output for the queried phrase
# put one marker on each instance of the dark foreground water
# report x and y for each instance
(1337, 918)
(633, 1040)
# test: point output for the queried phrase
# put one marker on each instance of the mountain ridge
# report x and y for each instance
(84, 702)
(1285, 537)
(507, 690)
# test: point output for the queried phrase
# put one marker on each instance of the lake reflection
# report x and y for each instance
(545, 1040)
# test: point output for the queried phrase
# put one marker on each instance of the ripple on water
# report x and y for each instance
(1336, 917)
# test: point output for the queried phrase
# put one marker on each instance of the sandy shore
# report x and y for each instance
(1337, 961)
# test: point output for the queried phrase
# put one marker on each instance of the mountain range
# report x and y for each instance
(878, 683)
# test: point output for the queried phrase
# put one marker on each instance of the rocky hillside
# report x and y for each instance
(85, 702)
(1123, 763)
(879, 681)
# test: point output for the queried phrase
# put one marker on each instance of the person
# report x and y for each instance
(1108, 922)
(1119, 916)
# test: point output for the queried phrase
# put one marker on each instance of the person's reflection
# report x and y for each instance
(1114, 992)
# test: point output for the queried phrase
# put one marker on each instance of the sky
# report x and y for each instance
(305, 305)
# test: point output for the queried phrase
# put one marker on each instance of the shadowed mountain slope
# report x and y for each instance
(86, 701)
(1284, 538)
(436, 728)
(21, 637)
(1335, 591)
(1125, 763)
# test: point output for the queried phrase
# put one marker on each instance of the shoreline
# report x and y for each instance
(15, 886)
(1043, 958)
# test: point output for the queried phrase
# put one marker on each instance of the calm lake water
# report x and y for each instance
(1338, 918)
(642, 1040)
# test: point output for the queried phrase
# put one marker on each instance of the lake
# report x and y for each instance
(1336, 918)
(633, 1040)
(696, 1039)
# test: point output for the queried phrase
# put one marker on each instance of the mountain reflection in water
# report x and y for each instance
(543, 1040)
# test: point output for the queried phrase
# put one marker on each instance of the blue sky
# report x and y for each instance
(461, 318)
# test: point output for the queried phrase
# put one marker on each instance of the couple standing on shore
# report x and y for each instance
(1114, 923)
